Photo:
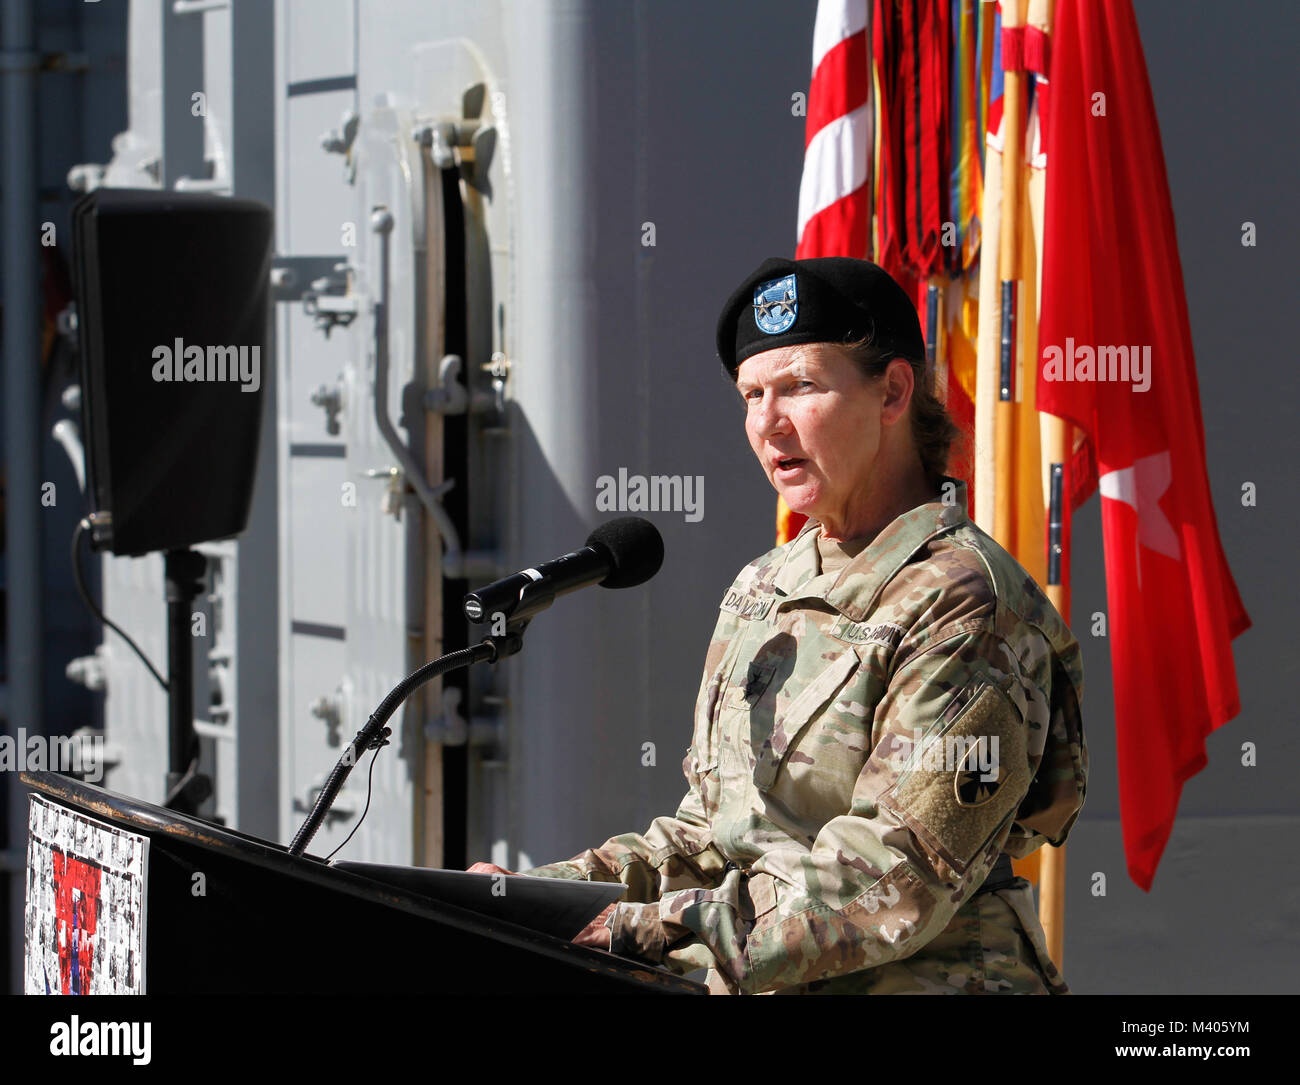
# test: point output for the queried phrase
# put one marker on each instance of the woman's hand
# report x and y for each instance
(487, 868)
(595, 934)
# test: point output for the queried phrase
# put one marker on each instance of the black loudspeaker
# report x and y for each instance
(173, 290)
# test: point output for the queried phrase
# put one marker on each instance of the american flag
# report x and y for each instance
(835, 193)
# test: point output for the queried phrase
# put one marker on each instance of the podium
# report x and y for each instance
(225, 913)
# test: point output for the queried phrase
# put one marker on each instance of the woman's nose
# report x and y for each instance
(769, 416)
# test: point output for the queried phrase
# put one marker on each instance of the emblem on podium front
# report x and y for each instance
(84, 924)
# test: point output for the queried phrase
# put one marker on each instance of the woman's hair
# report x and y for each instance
(933, 430)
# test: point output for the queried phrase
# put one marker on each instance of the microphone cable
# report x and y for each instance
(77, 575)
(370, 784)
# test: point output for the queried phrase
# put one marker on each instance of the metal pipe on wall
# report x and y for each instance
(19, 63)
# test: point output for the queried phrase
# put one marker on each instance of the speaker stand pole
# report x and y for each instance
(186, 788)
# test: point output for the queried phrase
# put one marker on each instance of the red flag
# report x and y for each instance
(1113, 308)
(923, 48)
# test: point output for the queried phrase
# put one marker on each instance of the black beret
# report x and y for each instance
(826, 299)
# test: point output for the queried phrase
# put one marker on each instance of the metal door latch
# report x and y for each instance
(327, 301)
(449, 397)
(330, 398)
(340, 140)
(328, 710)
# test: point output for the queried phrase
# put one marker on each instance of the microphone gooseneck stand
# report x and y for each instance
(374, 733)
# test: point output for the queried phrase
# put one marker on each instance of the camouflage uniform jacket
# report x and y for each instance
(866, 743)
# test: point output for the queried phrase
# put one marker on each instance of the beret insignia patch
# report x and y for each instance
(776, 304)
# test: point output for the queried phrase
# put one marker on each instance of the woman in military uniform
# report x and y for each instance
(890, 706)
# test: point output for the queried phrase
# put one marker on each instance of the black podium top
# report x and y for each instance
(430, 946)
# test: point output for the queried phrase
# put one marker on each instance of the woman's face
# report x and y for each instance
(814, 422)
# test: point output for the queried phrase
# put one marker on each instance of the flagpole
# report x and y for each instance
(936, 365)
(1008, 263)
(1051, 871)
(1056, 441)
(1008, 273)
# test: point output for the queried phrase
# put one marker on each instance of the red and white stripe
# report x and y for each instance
(834, 195)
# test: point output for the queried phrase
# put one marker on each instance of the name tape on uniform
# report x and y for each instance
(746, 605)
(863, 633)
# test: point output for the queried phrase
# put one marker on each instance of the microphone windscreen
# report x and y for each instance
(635, 548)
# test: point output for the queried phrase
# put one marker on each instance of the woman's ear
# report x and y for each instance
(897, 383)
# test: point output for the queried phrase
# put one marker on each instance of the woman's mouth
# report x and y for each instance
(788, 466)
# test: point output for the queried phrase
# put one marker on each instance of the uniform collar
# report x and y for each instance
(855, 589)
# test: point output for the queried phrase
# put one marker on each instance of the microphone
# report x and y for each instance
(620, 553)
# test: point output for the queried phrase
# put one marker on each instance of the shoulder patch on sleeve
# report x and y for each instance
(957, 788)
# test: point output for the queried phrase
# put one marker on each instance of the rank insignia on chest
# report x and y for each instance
(756, 681)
